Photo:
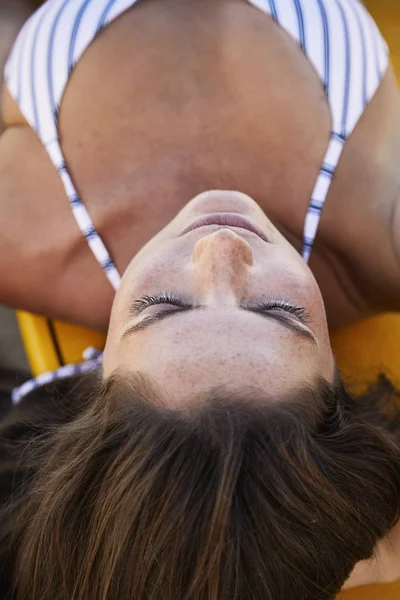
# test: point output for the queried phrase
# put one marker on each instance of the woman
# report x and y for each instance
(217, 455)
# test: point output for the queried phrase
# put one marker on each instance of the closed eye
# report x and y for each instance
(159, 298)
(167, 298)
(271, 309)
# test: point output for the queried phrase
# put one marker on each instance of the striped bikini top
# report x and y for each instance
(339, 38)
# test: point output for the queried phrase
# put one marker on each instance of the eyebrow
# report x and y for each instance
(285, 321)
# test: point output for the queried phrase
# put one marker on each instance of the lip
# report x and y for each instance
(228, 220)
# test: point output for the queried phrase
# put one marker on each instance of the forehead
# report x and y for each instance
(221, 347)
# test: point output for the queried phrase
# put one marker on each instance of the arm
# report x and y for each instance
(365, 208)
(46, 266)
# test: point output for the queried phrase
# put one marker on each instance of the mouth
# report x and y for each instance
(226, 220)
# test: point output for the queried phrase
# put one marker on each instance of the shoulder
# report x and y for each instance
(41, 241)
(358, 226)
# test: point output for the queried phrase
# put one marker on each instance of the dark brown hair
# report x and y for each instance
(232, 497)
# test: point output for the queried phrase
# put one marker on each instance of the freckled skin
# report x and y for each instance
(233, 261)
(228, 102)
(231, 123)
(221, 345)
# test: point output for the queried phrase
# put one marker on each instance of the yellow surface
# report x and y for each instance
(372, 592)
(362, 350)
(387, 15)
(367, 348)
(38, 343)
(73, 340)
(50, 344)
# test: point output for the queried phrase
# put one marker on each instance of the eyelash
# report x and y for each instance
(302, 313)
(158, 298)
(167, 298)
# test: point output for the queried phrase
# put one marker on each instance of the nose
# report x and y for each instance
(221, 263)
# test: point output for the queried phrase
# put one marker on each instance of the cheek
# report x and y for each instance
(140, 276)
(300, 282)
(164, 271)
(285, 279)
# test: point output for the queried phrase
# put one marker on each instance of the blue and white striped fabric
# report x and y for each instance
(93, 359)
(343, 43)
(37, 72)
(339, 38)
